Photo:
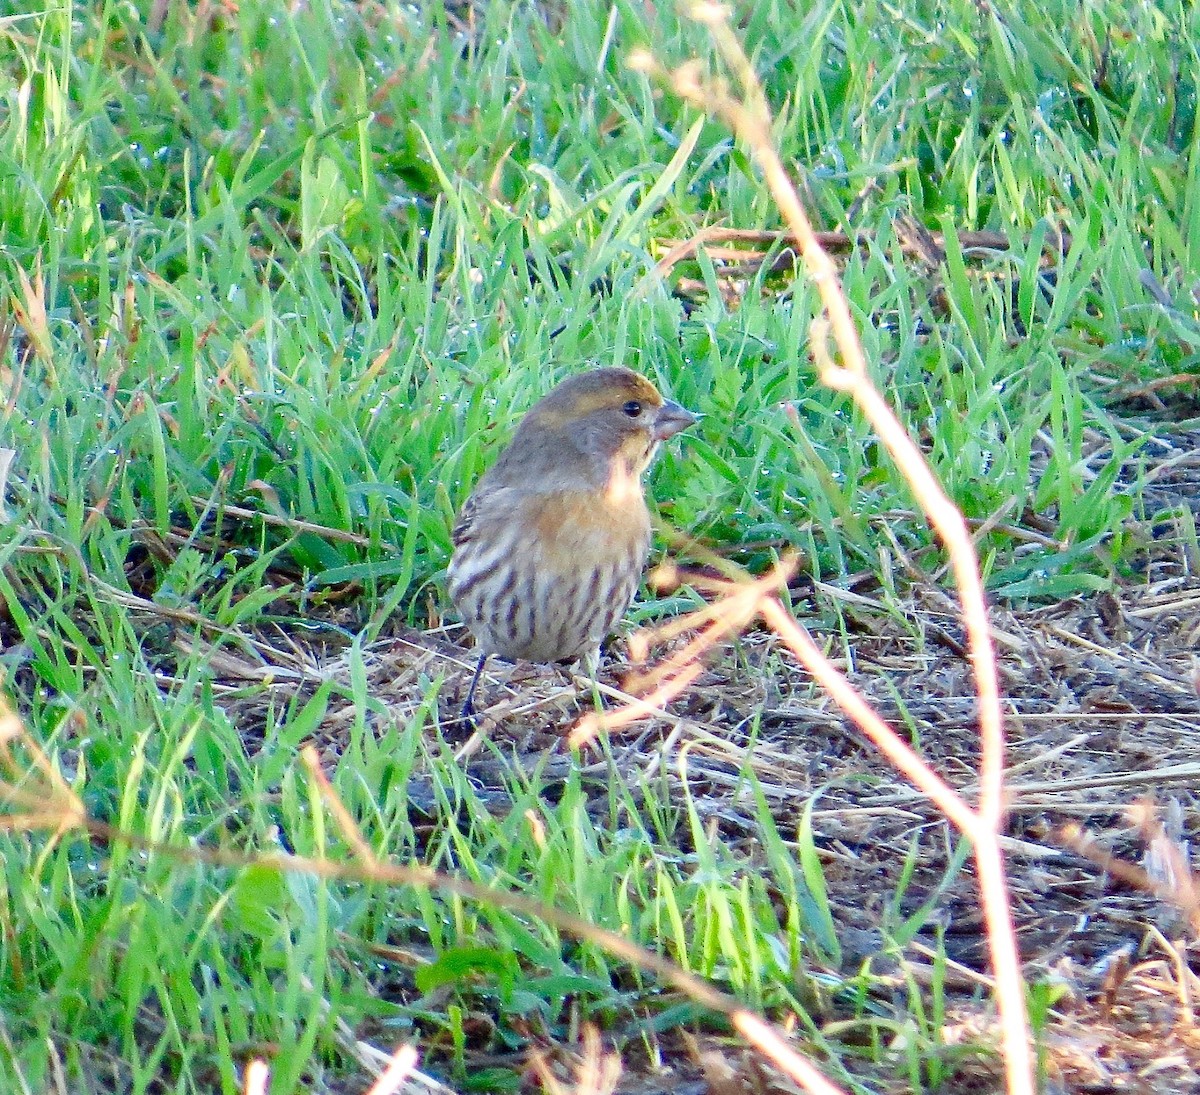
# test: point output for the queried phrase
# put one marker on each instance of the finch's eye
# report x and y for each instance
(633, 408)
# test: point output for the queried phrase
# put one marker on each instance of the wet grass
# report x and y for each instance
(314, 264)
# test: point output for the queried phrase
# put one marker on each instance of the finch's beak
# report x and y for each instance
(672, 418)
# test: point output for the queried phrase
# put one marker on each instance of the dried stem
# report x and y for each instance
(749, 118)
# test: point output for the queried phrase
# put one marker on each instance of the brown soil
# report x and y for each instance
(1102, 714)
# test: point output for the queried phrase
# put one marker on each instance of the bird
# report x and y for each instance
(550, 546)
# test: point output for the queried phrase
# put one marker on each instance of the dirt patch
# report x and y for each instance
(1102, 712)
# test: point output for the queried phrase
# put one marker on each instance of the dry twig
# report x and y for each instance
(750, 119)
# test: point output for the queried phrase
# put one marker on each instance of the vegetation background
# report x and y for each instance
(276, 282)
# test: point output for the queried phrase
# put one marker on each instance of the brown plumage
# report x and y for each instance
(550, 546)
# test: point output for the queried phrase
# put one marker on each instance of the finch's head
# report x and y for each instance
(610, 421)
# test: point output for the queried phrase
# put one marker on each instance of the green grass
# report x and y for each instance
(316, 265)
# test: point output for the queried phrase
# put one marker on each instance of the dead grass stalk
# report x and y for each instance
(748, 115)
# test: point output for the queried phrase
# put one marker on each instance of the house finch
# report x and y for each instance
(549, 548)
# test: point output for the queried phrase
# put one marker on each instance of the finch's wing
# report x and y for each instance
(486, 506)
(465, 523)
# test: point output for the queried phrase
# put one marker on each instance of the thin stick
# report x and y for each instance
(750, 119)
